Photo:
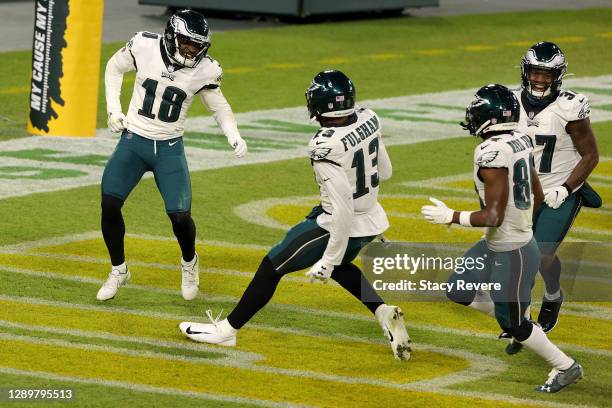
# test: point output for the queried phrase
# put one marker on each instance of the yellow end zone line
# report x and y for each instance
(431, 52)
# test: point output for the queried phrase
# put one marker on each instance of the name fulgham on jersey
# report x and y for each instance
(359, 150)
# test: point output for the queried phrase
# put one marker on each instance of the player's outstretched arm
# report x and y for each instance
(492, 215)
(215, 102)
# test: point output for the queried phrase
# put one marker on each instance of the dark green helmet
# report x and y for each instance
(544, 56)
(494, 108)
(191, 27)
(331, 94)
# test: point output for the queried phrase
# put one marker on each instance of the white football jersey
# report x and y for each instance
(162, 92)
(554, 152)
(359, 151)
(513, 152)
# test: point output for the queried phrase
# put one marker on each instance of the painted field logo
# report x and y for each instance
(276, 134)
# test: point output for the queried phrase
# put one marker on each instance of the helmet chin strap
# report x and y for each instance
(182, 60)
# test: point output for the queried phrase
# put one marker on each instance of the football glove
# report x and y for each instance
(555, 197)
(438, 214)
(116, 121)
(239, 145)
(320, 271)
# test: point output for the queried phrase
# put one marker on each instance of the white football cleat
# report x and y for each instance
(391, 319)
(190, 285)
(119, 276)
(221, 333)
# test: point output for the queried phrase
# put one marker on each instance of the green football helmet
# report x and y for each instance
(494, 108)
(331, 94)
(545, 56)
(191, 27)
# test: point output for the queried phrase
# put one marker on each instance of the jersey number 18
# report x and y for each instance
(170, 106)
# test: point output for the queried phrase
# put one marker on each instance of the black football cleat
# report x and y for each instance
(549, 313)
(513, 347)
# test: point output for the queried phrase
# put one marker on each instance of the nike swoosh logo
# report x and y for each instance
(483, 147)
(326, 179)
(189, 331)
(173, 143)
(498, 264)
(390, 335)
(581, 100)
(318, 143)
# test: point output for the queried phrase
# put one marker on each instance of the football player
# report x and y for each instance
(509, 190)
(565, 153)
(170, 71)
(349, 161)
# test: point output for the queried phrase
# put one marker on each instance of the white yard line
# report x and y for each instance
(146, 388)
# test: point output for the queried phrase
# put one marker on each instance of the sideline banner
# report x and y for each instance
(65, 67)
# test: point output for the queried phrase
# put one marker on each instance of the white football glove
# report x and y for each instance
(239, 145)
(116, 121)
(320, 271)
(555, 197)
(438, 214)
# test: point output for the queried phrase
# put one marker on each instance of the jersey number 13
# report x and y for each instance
(359, 166)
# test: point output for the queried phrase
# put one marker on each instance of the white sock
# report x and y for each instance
(541, 345)
(122, 268)
(483, 303)
(553, 296)
(226, 327)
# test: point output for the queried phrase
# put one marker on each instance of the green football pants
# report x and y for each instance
(135, 155)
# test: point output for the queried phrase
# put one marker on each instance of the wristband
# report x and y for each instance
(464, 218)
(568, 188)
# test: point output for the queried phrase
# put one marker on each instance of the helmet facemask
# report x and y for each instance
(178, 37)
(539, 58)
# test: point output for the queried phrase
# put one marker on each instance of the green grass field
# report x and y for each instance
(313, 345)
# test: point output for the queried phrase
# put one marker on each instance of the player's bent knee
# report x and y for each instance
(111, 207)
(463, 297)
(520, 332)
(179, 219)
(548, 260)
(267, 270)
